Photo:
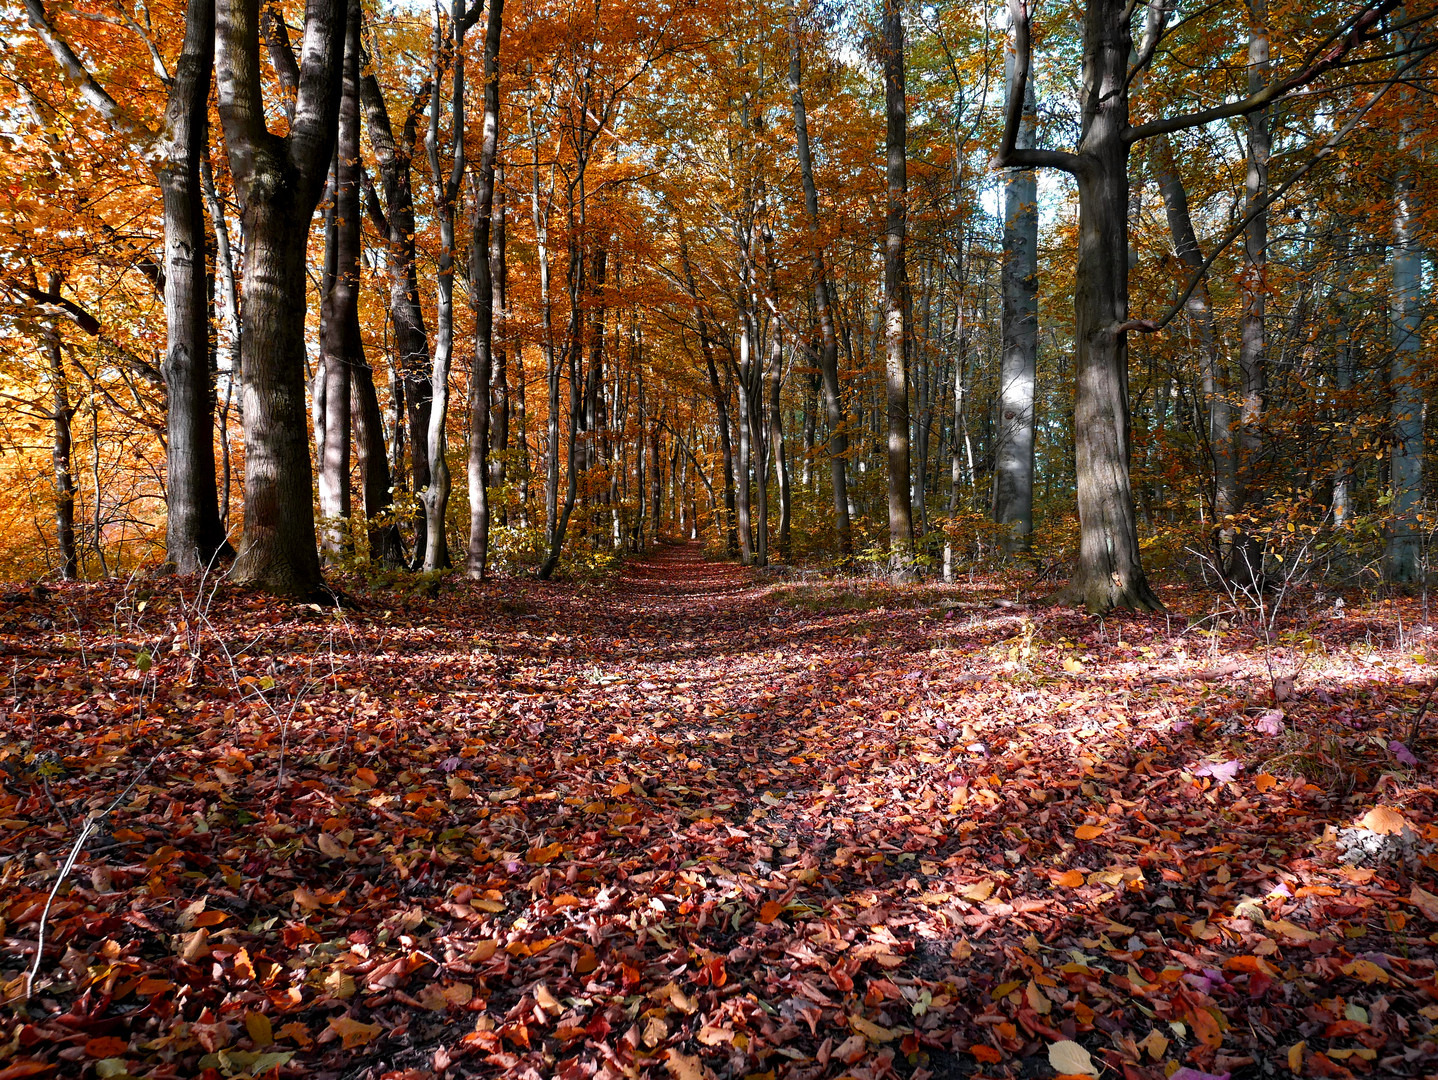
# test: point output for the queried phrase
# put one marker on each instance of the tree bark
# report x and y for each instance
(1013, 489)
(1403, 563)
(499, 274)
(278, 183)
(896, 307)
(482, 294)
(396, 221)
(1199, 307)
(61, 413)
(1245, 565)
(838, 442)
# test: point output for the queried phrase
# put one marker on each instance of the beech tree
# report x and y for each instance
(194, 536)
(1109, 572)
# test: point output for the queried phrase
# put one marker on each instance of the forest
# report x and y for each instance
(754, 540)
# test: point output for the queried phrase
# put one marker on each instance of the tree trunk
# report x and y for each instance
(838, 446)
(1200, 312)
(1013, 490)
(278, 183)
(482, 294)
(896, 307)
(194, 535)
(499, 275)
(394, 160)
(1245, 565)
(447, 187)
(340, 345)
(61, 413)
(1403, 563)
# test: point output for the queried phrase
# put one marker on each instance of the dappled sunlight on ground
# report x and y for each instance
(706, 822)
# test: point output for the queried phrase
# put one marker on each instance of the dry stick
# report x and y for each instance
(91, 823)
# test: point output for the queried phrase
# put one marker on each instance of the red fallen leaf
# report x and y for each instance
(106, 1046)
(1342, 1028)
(986, 1053)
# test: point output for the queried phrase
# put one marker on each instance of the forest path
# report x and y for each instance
(697, 821)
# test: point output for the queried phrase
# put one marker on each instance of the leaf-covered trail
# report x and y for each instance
(700, 823)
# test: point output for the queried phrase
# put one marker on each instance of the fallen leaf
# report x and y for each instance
(353, 1033)
(1068, 1058)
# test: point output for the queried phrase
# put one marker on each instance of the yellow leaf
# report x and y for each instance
(683, 1066)
(258, 1026)
(1072, 665)
(1288, 930)
(979, 890)
(1088, 832)
(872, 1031)
(1155, 1045)
(1037, 1000)
(1365, 970)
(352, 1032)
(1295, 1057)
(1068, 1058)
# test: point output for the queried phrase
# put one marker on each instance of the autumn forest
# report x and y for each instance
(592, 538)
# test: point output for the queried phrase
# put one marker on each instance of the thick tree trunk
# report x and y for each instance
(838, 443)
(194, 535)
(777, 453)
(278, 183)
(1013, 490)
(896, 298)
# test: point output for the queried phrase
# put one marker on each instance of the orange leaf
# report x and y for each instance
(1264, 781)
(771, 910)
(986, 1053)
(1206, 1028)
(211, 918)
(367, 776)
(353, 1032)
(1070, 879)
(1088, 832)
(106, 1047)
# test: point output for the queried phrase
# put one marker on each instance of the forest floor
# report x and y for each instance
(706, 822)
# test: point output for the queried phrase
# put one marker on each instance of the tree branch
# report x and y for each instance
(1009, 156)
(1357, 31)
(1149, 326)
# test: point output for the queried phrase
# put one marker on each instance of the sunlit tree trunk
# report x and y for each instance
(499, 275)
(1013, 487)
